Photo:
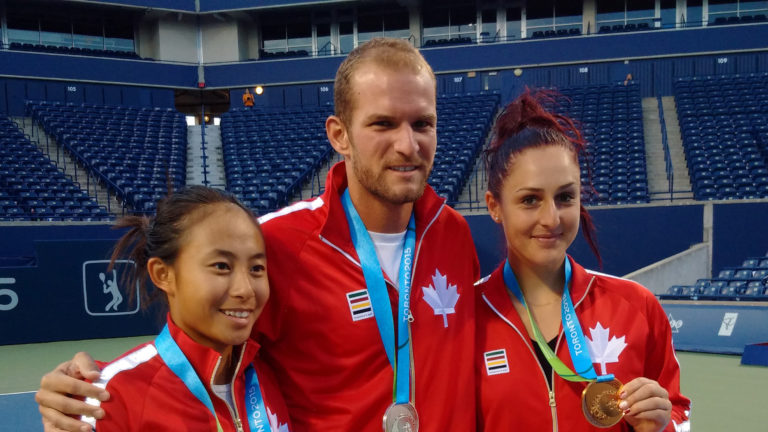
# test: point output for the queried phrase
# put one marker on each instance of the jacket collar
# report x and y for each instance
(205, 360)
(335, 227)
(581, 282)
(497, 293)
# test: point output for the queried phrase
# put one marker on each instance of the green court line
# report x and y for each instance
(726, 395)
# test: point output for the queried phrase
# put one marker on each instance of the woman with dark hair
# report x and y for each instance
(205, 253)
(561, 348)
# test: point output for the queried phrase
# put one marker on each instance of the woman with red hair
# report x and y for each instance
(559, 347)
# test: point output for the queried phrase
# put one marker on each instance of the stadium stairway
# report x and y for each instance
(682, 184)
(208, 166)
(49, 147)
(658, 185)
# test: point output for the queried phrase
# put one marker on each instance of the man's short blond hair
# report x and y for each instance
(390, 53)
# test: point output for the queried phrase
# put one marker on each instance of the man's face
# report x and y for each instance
(391, 133)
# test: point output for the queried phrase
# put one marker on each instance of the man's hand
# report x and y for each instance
(62, 391)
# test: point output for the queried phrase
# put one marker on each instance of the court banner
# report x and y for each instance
(71, 293)
(715, 326)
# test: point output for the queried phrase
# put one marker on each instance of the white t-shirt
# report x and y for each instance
(389, 251)
(224, 391)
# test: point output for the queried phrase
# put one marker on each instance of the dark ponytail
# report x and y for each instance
(160, 236)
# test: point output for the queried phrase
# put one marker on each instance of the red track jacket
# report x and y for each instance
(612, 312)
(328, 358)
(145, 395)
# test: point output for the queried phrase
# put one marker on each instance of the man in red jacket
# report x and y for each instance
(324, 330)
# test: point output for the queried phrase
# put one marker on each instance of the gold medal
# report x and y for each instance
(600, 403)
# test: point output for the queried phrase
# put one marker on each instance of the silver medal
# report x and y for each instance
(401, 418)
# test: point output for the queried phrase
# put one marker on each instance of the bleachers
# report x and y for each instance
(749, 282)
(623, 28)
(56, 49)
(133, 152)
(270, 154)
(282, 54)
(743, 19)
(32, 188)
(540, 34)
(464, 122)
(429, 43)
(724, 125)
(611, 119)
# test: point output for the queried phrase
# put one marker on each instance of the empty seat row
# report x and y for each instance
(749, 282)
(146, 153)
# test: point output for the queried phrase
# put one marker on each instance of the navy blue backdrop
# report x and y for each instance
(654, 59)
(60, 295)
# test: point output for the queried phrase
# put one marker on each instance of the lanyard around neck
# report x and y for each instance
(399, 355)
(577, 345)
(178, 363)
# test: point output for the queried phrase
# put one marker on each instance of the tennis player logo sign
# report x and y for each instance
(102, 292)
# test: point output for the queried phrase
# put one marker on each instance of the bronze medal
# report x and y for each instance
(600, 403)
(401, 418)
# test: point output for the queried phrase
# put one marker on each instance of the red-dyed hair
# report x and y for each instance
(525, 123)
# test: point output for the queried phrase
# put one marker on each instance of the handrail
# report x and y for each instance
(665, 146)
(202, 146)
(332, 51)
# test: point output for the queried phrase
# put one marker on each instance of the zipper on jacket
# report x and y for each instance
(553, 407)
(233, 412)
(550, 387)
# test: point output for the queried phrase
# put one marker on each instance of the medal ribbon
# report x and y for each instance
(377, 290)
(172, 355)
(577, 345)
(254, 402)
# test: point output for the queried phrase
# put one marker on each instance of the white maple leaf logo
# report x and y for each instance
(603, 350)
(274, 424)
(442, 297)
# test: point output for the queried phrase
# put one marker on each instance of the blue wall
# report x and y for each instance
(654, 76)
(176, 5)
(63, 298)
(222, 5)
(741, 231)
(61, 281)
(14, 93)
(628, 238)
(205, 5)
(97, 69)
(491, 64)
(593, 53)
(716, 327)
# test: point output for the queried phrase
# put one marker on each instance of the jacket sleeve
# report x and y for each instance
(268, 326)
(662, 366)
(117, 417)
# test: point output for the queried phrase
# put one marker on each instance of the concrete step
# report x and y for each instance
(654, 151)
(682, 180)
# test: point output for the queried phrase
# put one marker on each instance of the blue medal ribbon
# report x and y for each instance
(175, 359)
(399, 355)
(577, 346)
(254, 402)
